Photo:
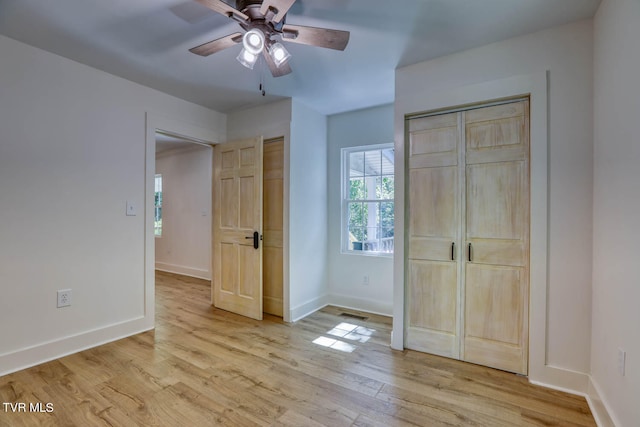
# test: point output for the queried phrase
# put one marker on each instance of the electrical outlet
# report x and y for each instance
(622, 360)
(365, 280)
(64, 298)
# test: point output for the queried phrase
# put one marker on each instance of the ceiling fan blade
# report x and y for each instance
(322, 37)
(276, 71)
(217, 45)
(281, 7)
(223, 9)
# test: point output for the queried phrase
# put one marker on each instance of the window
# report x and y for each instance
(368, 199)
(157, 218)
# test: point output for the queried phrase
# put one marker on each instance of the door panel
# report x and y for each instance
(247, 205)
(495, 317)
(434, 306)
(493, 304)
(434, 202)
(237, 265)
(495, 205)
(433, 236)
(497, 227)
(497, 134)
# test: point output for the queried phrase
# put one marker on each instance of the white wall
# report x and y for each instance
(307, 211)
(616, 235)
(72, 152)
(563, 314)
(185, 244)
(358, 128)
(270, 120)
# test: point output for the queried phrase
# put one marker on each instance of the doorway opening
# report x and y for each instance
(182, 205)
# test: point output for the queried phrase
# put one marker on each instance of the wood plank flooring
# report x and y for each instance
(203, 366)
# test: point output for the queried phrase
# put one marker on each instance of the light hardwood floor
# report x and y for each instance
(204, 366)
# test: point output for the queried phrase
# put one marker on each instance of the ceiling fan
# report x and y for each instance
(264, 24)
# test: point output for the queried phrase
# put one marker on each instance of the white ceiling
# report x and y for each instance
(147, 41)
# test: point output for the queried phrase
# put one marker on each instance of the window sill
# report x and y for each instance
(368, 254)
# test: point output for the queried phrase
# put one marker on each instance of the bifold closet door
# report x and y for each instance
(433, 234)
(497, 237)
(467, 268)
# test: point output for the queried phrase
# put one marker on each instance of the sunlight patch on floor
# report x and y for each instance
(347, 331)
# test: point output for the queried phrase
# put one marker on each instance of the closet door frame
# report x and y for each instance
(428, 98)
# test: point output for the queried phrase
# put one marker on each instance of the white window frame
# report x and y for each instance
(344, 202)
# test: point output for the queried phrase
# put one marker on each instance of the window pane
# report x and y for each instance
(371, 214)
(372, 163)
(356, 215)
(386, 242)
(386, 215)
(356, 189)
(385, 190)
(357, 237)
(370, 187)
(157, 219)
(387, 161)
(356, 164)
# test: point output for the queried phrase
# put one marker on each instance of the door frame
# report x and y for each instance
(535, 85)
(157, 123)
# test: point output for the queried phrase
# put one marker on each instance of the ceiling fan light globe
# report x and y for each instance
(247, 59)
(279, 54)
(253, 41)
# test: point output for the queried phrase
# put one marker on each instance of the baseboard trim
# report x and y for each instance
(309, 307)
(361, 304)
(579, 384)
(46, 352)
(599, 406)
(559, 379)
(198, 273)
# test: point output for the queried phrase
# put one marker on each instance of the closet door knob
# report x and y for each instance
(453, 251)
(470, 256)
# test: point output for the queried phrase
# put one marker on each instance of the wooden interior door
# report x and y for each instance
(497, 237)
(433, 235)
(272, 273)
(237, 264)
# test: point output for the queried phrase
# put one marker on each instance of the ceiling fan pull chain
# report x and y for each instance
(261, 87)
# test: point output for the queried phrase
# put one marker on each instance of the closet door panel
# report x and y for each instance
(495, 316)
(493, 306)
(499, 252)
(433, 228)
(497, 237)
(433, 202)
(432, 308)
(433, 141)
(495, 201)
(497, 134)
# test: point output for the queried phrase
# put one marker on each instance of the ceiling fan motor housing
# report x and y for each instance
(257, 20)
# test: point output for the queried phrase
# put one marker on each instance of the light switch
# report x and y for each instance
(131, 209)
